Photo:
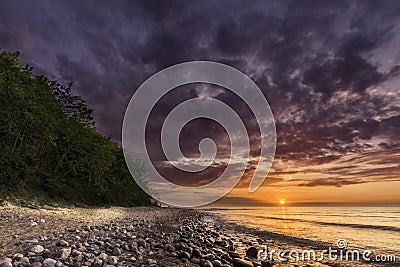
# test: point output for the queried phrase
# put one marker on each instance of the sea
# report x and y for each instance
(376, 229)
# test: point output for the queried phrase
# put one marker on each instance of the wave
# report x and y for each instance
(216, 209)
(351, 225)
(352, 215)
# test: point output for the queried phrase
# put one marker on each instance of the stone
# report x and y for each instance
(36, 249)
(251, 252)
(64, 253)
(36, 264)
(169, 247)
(242, 263)
(97, 262)
(18, 256)
(196, 253)
(38, 259)
(34, 241)
(50, 245)
(151, 261)
(185, 255)
(113, 260)
(141, 242)
(103, 256)
(234, 255)
(116, 251)
(91, 237)
(63, 243)
(49, 262)
(78, 258)
(48, 254)
(24, 260)
(209, 257)
(217, 263)
(266, 264)
(5, 259)
(205, 263)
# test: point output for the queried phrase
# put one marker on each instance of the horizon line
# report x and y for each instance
(308, 204)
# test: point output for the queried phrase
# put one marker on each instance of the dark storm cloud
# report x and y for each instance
(320, 65)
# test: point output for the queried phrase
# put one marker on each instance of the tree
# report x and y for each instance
(50, 148)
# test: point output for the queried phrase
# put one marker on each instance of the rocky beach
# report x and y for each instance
(143, 236)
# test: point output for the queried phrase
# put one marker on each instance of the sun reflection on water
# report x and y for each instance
(285, 227)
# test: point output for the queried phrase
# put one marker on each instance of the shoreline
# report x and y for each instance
(279, 241)
(140, 236)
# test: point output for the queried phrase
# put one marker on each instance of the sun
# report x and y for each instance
(282, 201)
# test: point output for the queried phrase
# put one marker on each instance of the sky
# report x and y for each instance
(329, 70)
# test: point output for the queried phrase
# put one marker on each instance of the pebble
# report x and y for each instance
(217, 263)
(103, 256)
(242, 263)
(49, 262)
(64, 243)
(34, 241)
(209, 257)
(113, 260)
(4, 260)
(141, 242)
(185, 255)
(205, 263)
(185, 241)
(50, 245)
(24, 260)
(37, 249)
(64, 253)
(267, 264)
(116, 251)
(97, 262)
(252, 252)
(196, 253)
(151, 261)
(18, 256)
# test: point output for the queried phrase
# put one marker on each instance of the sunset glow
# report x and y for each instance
(178, 133)
(329, 73)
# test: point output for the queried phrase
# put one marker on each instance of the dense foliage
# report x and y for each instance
(49, 147)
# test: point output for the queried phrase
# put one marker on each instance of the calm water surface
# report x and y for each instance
(374, 228)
